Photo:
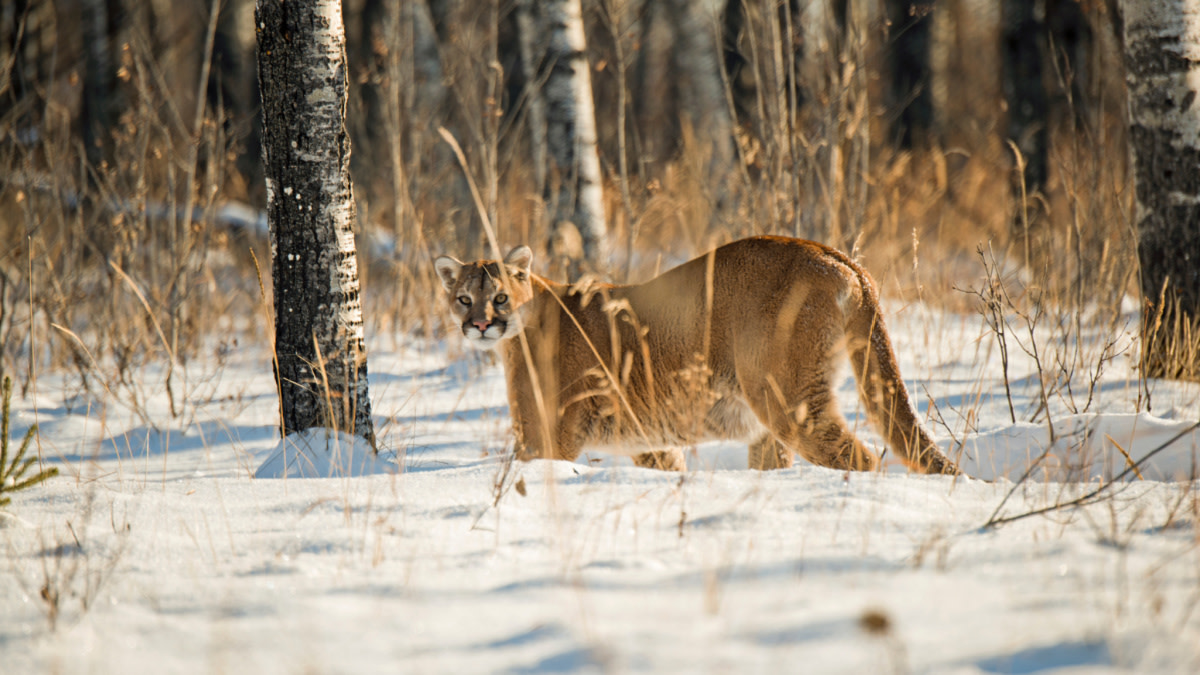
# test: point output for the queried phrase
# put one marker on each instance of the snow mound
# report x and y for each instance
(324, 453)
(1087, 447)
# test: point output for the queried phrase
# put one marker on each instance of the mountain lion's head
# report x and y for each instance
(485, 297)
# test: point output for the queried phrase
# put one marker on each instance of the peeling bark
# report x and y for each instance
(320, 358)
(1162, 56)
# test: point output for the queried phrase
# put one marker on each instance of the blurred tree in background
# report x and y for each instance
(578, 227)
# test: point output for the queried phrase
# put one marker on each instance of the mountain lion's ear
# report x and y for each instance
(448, 270)
(520, 257)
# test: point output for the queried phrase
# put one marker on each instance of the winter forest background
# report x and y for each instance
(911, 133)
(1019, 176)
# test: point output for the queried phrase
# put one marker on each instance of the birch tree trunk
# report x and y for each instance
(321, 363)
(1162, 56)
(571, 138)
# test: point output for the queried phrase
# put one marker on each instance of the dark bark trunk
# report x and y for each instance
(27, 33)
(535, 108)
(379, 22)
(1071, 43)
(1024, 90)
(320, 357)
(99, 77)
(907, 60)
(233, 89)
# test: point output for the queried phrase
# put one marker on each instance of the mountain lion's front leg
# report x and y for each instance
(540, 436)
(767, 454)
(530, 431)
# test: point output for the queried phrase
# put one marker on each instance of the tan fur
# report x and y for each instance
(743, 342)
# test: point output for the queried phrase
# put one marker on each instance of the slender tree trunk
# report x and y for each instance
(907, 59)
(425, 91)
(320, 358)
(821, 26)
(656, 110)
(1162, 56)
(401, 90)
(703, 104)
(95, 115)
(535, 107)
(1024, 91)
(233, 89)
(378, 23)
(26, 42)
(109, 29)
(1072, 43)
(967, 56)
(819, 78)
(571, 137)
(835, 119)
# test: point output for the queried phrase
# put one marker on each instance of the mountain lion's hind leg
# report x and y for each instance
(798, 406)
(667, 460)
(817, 434)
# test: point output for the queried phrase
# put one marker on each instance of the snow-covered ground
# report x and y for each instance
(157, 551)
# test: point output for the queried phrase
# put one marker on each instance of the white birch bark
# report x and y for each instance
(571, 129)
(320, 358)
(1162, 56)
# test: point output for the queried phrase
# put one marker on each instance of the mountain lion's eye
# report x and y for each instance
(464, 300)
(500, 299)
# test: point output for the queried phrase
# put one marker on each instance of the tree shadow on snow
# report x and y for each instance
(145, 442)
(1051, 657)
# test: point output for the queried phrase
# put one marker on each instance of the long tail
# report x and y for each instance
(882, 390)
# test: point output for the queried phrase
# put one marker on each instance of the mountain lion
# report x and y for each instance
(743, 343)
